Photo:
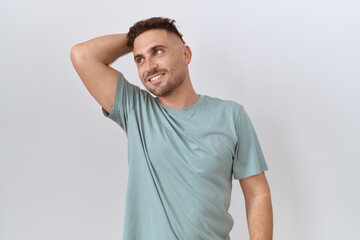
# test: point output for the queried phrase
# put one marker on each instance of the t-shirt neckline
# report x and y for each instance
(176, 110)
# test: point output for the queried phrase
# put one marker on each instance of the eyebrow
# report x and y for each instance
(150, 50)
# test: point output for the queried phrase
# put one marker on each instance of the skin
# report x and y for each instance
(258, 205)
(174, 89)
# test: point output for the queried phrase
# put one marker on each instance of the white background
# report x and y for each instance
(293, 65)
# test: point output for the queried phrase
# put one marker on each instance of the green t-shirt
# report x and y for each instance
(181, 164)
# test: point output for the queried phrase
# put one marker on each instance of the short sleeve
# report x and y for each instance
(248, 158)
(124, 101)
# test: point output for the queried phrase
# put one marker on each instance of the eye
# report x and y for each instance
(157, 51)
(139, 60)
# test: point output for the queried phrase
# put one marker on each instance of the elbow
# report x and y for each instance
(76, 53)
(74, 50)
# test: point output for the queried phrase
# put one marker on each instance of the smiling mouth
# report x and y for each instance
(157, 78)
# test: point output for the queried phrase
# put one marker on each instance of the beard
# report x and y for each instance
(162, 89)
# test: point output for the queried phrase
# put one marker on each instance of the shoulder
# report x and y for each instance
(224, 105)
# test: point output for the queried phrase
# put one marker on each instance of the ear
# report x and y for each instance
(187, 54)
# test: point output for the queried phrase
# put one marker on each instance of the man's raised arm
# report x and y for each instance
(91, 60)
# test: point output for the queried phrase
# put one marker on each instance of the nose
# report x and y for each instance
(151, 65)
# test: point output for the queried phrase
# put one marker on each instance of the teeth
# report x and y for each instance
(157, 77)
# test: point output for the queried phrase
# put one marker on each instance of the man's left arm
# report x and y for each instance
(258, 204)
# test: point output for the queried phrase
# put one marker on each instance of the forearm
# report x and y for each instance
(105, 48)
(260, 217)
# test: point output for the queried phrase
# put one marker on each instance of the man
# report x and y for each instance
(183, 147)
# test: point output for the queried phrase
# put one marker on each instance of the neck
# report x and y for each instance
(184, 96)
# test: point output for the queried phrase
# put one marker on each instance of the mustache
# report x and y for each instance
(155, 72)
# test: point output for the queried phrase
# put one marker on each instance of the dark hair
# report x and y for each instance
(148, 24)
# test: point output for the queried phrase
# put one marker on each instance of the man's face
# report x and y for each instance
(159, 53)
